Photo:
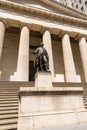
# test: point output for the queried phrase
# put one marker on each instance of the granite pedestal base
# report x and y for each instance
(46, 107)
(43, 79)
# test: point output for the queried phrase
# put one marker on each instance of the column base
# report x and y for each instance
(13, 77)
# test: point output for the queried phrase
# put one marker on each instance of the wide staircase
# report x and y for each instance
(85, 101)
(9, 104)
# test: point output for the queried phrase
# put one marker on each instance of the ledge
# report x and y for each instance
(15, 6)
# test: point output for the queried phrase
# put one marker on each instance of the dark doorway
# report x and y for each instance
(31, 71)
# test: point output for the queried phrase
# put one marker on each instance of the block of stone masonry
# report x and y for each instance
(43, 79)
(46, 107)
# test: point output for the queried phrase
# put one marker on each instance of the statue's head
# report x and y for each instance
(41, 44)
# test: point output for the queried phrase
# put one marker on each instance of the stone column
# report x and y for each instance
(70, 73)
(83, 52)
(2, 32)
(23, 55)
(48, 46)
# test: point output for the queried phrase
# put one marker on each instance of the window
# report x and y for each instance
(57, 0)
(80, 1)
(76, 6)
(82, 9)
(76, 0)
(86, 3)
(72, 5)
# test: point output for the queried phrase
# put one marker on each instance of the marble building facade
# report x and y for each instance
(23, 25)
(15, 31)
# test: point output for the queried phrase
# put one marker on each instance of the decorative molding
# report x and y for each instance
(42, 14)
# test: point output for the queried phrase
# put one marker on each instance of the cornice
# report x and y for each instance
(66, 9)
(15, 7)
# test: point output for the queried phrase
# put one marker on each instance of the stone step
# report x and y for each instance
(9, 105)
(9, 112)
(8, 101)
(7, 90)
(11, 92)
(9, 97)
(84, 98)
(8, 108)
(14, 84)
(9, 127)
(8, 121)
(7, 94)
(85, 101)
(8, 116)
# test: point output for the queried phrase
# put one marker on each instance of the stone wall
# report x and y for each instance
(9, 56)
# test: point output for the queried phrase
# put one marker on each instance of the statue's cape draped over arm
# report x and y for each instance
(36, 51)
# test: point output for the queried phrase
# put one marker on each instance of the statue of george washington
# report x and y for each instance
(41, 63)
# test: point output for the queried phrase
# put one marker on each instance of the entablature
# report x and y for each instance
(55, 29)
(45, 15)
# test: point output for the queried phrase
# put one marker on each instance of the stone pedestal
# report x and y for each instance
(43, 79)
(47, 107)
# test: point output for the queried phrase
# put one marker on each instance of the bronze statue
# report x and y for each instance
(41, 62)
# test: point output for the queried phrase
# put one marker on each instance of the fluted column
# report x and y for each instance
(2, 32)
(23, 55)
(48, 46)
(70, 73)
(83, 52)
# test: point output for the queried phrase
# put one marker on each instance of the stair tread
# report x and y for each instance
(8, 121)
(8, 116)
(8, 112)
(9, 127)
(8, 105)
(8, 108)
(9, 98)
(3, 94)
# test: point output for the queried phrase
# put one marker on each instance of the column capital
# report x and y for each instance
(62, 33)
(79, 36)
(44, 29)
(4, 22)
(25, 25)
